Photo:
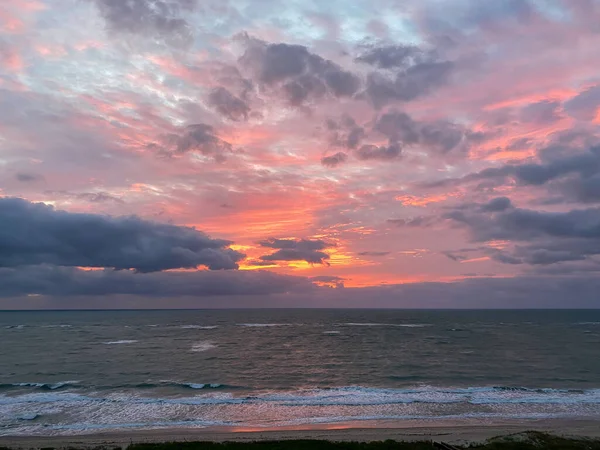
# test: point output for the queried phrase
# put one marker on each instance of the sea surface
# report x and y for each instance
(80, 372)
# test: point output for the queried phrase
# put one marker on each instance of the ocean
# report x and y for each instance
(68, 372)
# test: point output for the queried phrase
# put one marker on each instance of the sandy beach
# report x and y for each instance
(454, 433)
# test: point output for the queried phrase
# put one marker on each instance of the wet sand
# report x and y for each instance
(451, 432)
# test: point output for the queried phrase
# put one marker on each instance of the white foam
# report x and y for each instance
(202, 386)
(199, 327)
(264, 325)
(203, 346)
(123, 341)
(404, 325)
(51, 386)
(116, 410)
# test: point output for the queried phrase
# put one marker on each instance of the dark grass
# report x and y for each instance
(522, 441)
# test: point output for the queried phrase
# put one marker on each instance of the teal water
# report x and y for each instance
(75, 372)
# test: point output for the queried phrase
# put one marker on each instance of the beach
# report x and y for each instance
(457, 433)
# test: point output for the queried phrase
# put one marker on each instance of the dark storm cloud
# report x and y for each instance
(510, 223)
(497, 204)
(334, 160)
(301, 76)
(244, 289)
(34, 233)
(200, 138)
(538, 237)
(68, 281)
(574, 176)
(228, 105)
(162, 20)
(297, 250)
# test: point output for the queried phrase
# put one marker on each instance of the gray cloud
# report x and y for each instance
(370, 253)
(334, 160)
(345, 132)
(398, 127)
(574, 176)
(228, 105)
(418, 221)
(394, 56)
(548, 237)
(28, 177)
(162, 20)
(406, 84)
(34, 233)
(584, 106)
(543, 112)
(93, 197)
(375, 152)
(439, 137)
(297, 250)
(301, 76)
(330, 280)
(200, 138)
(71, 288)
(68, 281)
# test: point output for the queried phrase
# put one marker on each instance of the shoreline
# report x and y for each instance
(453, 432)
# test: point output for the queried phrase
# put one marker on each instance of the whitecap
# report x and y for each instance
(199, 327)
(264, 325)
(203, 346)
(404, 325)
(123, 341)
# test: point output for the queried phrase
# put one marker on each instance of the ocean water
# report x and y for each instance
(81, 372)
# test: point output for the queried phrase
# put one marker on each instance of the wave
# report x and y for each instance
(203, 346)
(26, 413)
(331, 332)
(199, 327)
(266, 325)
(403, 325)
(341, 396)
(41, 386)
(128, 387)
(123, 341)
(57, 326)
(16, 327)
(177, 384)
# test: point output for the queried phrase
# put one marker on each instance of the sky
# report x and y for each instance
(259, 153)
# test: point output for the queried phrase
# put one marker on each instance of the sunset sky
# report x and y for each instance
(363, 153)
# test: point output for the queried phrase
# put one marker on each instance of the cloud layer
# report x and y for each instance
(397, 151)
(33, 233)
